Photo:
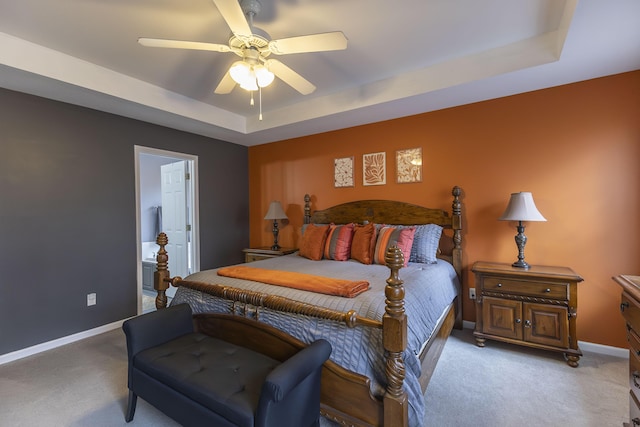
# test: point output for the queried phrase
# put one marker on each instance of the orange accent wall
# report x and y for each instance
(575, 147)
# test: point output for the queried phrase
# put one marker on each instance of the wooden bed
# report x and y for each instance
(346, 397)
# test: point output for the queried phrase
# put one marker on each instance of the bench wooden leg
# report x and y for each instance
(131, 406)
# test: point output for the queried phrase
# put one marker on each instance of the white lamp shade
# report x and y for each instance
(263, 75)
(240, 71)
(521, 208)
(275, 211)
(250, 83)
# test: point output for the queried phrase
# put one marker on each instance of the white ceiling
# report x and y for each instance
(403, 57)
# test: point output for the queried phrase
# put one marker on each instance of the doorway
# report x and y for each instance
(166, 200)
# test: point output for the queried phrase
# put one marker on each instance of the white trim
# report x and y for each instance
(467, 324)
(194, 214)
(39, 348)
(604, 349)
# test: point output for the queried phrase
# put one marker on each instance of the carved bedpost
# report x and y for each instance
(394, 321)
(307, 209)
(456, 225)
(161, 275)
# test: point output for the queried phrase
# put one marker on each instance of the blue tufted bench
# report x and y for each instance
(198, 379)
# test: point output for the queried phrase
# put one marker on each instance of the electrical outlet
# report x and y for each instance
(472, 293)
(91, 299)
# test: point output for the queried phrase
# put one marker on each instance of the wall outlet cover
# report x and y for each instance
(91, 299)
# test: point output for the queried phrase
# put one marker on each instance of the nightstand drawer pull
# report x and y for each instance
(547, 290)
(623, 306)
(499, 285)
(636, 376)
(518, 321)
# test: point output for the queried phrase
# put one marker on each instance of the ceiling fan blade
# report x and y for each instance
(290, 77)
(233, 15)
(179, 44)
(226, 85)
(311, 43)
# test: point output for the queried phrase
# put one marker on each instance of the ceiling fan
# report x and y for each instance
(254, 46)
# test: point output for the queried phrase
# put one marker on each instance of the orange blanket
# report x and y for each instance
(305, 282)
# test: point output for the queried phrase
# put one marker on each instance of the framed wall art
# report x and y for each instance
(343, 172)
(409, 165)
(374, 169)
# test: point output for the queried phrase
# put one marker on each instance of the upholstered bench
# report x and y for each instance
(199, 379)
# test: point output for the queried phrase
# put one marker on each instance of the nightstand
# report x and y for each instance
(256, 254)
(534, 307)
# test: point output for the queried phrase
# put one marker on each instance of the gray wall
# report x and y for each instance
(67, 214)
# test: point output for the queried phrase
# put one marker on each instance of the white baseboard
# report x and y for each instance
(467, 324)
(39, 348)
(586, 346)
(604, 349)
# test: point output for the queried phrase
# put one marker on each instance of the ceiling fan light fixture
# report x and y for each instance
(240, 72)
(263, 75)
(250, 77)
(250, 84)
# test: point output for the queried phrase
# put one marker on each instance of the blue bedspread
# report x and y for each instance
(429, 289)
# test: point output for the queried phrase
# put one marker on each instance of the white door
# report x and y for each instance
(174, 218)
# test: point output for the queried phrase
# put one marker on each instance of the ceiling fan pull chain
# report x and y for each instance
(251, 102)
(260, 100)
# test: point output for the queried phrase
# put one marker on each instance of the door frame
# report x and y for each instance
(194, 211)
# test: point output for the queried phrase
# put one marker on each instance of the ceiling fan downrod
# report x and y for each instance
(250, 8)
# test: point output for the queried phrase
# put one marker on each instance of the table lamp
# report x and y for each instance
(275, 213)
(521, 208)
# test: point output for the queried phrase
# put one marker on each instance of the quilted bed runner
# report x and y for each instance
(302, 281)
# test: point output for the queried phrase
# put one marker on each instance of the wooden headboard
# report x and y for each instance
(398, 213)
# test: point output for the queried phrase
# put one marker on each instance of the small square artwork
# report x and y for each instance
(374, 169)
(343, 172)
(409, 165)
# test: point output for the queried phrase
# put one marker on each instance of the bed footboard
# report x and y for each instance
(346, 396)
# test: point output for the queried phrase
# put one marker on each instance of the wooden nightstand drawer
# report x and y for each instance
(254, 257)
(634, 411)
(265, 252)
(630, 311)
(634, 342)
(526, 287)
(634, 373)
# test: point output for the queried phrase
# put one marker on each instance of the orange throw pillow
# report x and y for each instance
(312, 243)
(363, 243)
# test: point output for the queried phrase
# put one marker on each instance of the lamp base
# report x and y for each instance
(275, 246)
(521, 240)
(520, 264)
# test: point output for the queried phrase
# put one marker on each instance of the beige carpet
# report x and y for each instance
(84, 384)
(508, 385)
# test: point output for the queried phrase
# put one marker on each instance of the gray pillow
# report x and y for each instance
(425, 244)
